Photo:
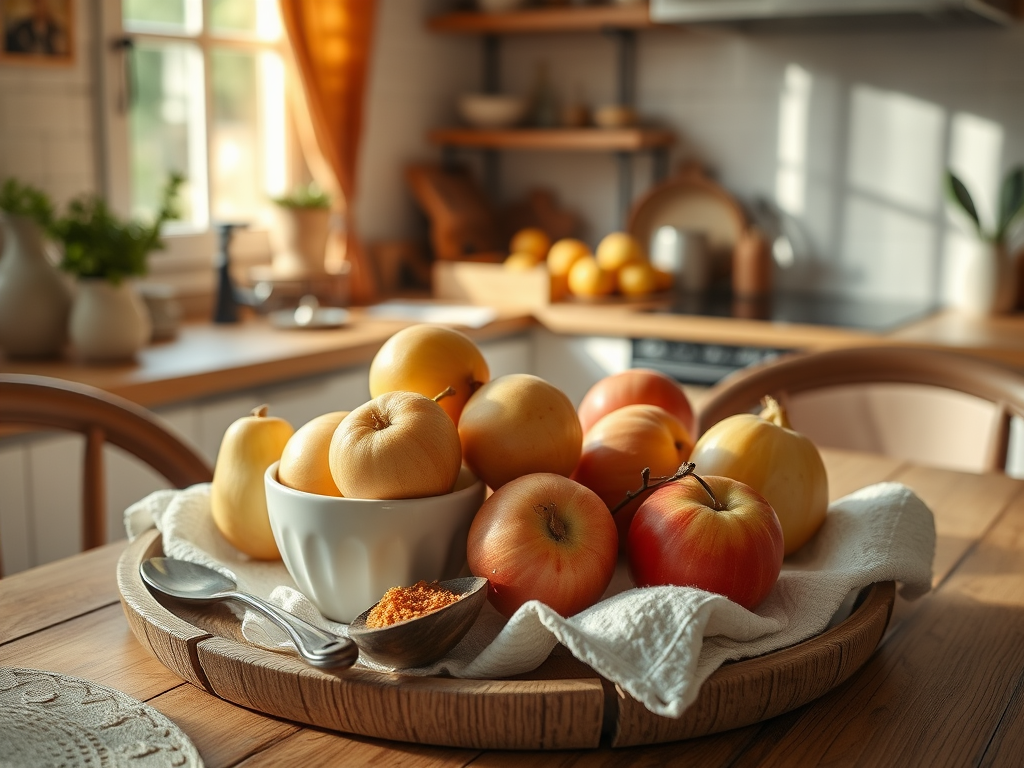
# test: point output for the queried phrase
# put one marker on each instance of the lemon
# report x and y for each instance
(530, 240)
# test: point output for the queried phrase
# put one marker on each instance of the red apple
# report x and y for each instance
(637, 385)
(731, 544)
(543, 537)
(618, 448)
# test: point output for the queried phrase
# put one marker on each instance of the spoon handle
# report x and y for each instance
(319, 648)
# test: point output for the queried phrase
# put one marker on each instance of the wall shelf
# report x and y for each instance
(560, 139)
(620, 21)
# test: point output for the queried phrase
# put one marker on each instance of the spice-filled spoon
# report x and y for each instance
(190, 581)
(419, 641)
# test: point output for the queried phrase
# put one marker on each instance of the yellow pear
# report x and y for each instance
(238, 500)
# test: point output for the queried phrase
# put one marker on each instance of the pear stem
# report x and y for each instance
(447, 392)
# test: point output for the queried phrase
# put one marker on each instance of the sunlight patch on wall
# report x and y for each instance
(888, 253)
(896, 147)
(794, 111)
(975, 150)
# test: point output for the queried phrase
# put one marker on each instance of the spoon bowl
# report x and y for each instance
(425, 639)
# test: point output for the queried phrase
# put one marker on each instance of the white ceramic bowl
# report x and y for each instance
(344, 554)
(487, 110)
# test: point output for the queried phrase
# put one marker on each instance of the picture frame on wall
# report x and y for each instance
(37, 32)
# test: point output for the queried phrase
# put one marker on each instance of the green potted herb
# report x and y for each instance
(301, 233)
(988, 283)
(103, 252)
(34, 298)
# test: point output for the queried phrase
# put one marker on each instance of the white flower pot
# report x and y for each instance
(34, 297)
(301, 242)
(988, 284)
(109, 323)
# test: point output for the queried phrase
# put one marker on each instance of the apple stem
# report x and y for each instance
(714, 501)
(555, 525)
(685, 470)
(448, 392)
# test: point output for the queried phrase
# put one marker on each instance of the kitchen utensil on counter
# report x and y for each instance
(310, 315)
(752, 265)
(684, 254)
(161, 300)
(185, 580)
(692, 202)
(425, 639)
(226, 307)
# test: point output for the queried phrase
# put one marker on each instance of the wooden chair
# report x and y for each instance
(36, 403)
(957, 413)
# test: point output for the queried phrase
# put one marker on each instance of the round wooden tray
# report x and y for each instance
(561, 705)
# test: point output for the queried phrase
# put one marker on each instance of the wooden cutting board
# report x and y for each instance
(561, 705)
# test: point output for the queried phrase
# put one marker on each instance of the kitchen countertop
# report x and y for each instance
(207, 359)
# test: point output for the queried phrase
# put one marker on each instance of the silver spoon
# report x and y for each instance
(189, 581)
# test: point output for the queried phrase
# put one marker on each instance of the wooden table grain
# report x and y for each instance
(944, 688)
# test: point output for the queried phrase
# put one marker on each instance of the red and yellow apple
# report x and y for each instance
(621, 445)
(400, 445)
(636, 385)
(731, 544)
(543, 537)
(428, 359)
(516, 425)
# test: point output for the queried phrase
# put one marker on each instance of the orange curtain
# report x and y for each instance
(331, 42)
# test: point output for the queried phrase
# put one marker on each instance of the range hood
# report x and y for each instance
(989, 12)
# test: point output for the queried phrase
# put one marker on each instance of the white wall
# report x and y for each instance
(47, 134)
(848, 131)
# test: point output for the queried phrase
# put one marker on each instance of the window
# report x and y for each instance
(198, 87)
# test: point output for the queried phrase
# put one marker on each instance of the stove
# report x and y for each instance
(806, 309)
(706, 364)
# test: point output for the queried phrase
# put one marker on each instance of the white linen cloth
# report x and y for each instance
(659, 643)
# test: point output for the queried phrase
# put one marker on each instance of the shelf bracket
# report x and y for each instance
(626, 74)
(492, 63)
(625, 162)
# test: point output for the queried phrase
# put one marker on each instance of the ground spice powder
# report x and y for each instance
(404, 603)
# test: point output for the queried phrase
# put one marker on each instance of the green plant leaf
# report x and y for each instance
(958, 194)
(1011, 201)
(98, 243)
(21, 199)
(309, 196)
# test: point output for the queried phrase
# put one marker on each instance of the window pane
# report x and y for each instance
(249, 18)
(168, 16)
(247, 148)
(166, 128)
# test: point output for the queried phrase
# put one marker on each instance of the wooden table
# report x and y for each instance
(944, 687)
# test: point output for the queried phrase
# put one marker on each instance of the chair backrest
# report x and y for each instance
(937, 408)
(35, 403)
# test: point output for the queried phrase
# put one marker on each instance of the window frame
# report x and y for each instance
(188, 255)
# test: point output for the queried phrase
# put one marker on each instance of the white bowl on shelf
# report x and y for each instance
(492, 110)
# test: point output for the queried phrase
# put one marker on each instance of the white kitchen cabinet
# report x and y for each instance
(576, 363)
(15, 541)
